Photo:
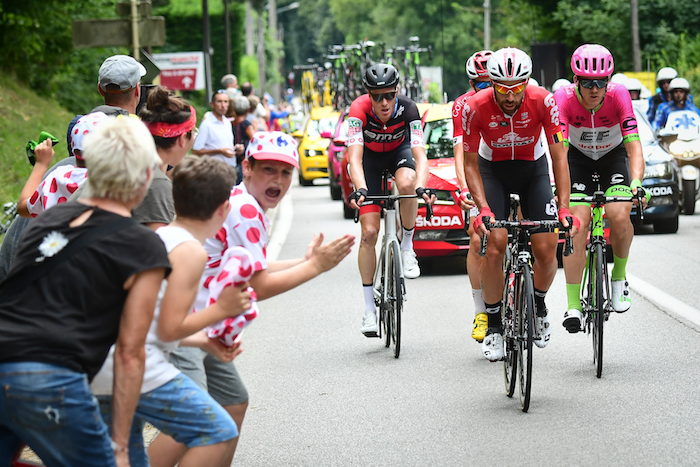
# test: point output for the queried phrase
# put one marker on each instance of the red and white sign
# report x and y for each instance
(183, 71)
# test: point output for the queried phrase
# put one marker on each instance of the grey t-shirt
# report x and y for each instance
(158, 205)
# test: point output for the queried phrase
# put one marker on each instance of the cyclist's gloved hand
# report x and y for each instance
(478, 220)
(564, 213)
(356, 195)
(465, 200)
(429, 192)
(636, 185)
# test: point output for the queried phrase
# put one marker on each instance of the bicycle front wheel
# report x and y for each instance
(395, 298)
(510, 332)
(526, 330)
(598, 310)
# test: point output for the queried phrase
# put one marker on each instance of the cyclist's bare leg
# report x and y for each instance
(367, 255)
(575, 263)
(621, 230)
(406, 183)
(492, 266)
(544, 249)
(473, 258)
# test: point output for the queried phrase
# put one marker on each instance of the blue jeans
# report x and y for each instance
(180, 409)
(53, 410)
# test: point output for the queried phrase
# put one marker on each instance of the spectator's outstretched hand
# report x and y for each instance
(44, 152)
(328, 256)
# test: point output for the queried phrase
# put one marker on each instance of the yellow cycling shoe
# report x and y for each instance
(481, 322)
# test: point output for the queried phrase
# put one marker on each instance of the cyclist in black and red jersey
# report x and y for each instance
(503, 154)
(385, 133)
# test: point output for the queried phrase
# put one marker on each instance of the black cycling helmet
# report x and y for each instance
(380, 76)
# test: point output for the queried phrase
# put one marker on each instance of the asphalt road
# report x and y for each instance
(321, 394)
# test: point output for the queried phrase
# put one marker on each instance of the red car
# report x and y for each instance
(445, 233)
(336, 152)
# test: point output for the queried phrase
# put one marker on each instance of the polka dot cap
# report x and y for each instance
(84, 126)
(273, 146)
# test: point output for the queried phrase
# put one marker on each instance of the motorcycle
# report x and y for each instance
(681, 138)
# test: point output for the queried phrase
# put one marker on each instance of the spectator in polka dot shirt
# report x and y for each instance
(268, 168)
(37, 196)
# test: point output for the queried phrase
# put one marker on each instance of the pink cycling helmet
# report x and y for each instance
(592, 61)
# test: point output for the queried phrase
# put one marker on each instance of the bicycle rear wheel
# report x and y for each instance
(510, 333)
(598, 310)
(395, 298)
(526, 329)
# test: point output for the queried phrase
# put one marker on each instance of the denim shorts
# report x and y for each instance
(221, 379)
(181, 410)
(53, 410)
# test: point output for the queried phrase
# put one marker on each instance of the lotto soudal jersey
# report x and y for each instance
(365, 128)
(597, 132)
(457, 116)
(497, 136)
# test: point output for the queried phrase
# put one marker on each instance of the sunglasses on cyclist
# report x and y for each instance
(589, 83)
(505, 89)
(384, 95)
(482, 84)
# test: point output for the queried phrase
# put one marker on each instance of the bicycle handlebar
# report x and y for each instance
(526, 225)
(429, 207)
(599, 199)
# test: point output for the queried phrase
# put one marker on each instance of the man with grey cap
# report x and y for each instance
(119, 79)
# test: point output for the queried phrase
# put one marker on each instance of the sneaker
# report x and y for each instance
(492, 346)
(572, 320)
(621, 300)
(369, 325)
(543, 331)
(411, 270)
(481, 322)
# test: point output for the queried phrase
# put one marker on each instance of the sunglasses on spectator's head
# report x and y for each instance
(482, 84)
(384, 95)
(505, 88)
(589, 83)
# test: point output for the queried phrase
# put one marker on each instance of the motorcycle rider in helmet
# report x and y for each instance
(679, 88)
(663, 79)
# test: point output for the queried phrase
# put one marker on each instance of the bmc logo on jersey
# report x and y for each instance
(438, 221)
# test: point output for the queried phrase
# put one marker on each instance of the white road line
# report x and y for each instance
(281, 223)
(664, 301)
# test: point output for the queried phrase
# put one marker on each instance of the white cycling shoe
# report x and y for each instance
(572, 320)
(411, 270)
(543, 331)
(492, 346)
(369, 325)
(621, 300)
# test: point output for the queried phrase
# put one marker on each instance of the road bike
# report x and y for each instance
(518, 306)
(389, 281)
(413, 82)
(595, 285)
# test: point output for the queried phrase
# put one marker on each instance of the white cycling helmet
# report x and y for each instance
(633, 84)
(560, 83)
(679, 83)
(666, 73)
(619, 78)
(533, 82)
(476, 64)
(509, 65)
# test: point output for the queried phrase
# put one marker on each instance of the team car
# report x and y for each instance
(313, 161)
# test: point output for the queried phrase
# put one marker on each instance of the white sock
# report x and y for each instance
(479, 306)
(407, 239)
(368, 291)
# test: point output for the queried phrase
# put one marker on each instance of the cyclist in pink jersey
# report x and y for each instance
(503, 151)
(479, 80)
(604, 152)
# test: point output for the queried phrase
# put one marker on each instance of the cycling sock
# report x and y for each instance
(540, 307)
(479, 305)
(368, 291)
(618, 270)
(407, 238)
(493, 312)
(573, 295)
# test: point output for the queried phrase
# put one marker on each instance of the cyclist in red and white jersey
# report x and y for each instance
(385, 133)
(479, 80)
(600, 131)
(503, 154)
